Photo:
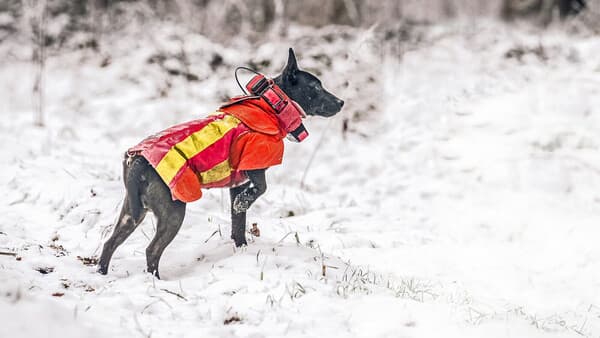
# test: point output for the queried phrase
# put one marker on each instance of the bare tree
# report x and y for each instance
(36, 13)
(541, 10)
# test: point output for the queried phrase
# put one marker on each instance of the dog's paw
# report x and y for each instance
(240, 243)
(102, 270)
(153, 272)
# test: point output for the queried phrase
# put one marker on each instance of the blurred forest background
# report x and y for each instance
(459, 188)
(54, 22)
(43, 28)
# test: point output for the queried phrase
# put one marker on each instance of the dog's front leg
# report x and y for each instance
(242, 198)
(238, 220)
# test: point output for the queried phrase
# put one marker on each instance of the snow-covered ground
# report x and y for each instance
(462, 201)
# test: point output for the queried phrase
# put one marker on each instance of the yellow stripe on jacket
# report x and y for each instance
(171, 163)
(216, 173)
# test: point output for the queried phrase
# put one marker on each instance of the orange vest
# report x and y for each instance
(215, 151)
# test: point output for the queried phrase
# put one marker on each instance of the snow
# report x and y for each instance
(462, 201)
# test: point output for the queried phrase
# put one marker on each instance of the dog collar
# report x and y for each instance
(288, 112)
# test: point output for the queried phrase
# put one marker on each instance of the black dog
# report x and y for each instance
(147, 191)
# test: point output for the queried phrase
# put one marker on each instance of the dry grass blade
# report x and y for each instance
(174, 294)
(284, 237)
(212, 235)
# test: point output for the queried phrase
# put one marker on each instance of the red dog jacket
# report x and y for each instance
(214, 151)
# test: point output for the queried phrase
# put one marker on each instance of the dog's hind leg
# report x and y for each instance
(169, 215)
(124, 227)
(169, 220)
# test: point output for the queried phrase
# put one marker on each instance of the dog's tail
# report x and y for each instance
(133, 168)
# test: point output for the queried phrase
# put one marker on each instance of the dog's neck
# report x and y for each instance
(285, 87)
(279, 81)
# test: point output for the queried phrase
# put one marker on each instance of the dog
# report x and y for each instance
(147, 188)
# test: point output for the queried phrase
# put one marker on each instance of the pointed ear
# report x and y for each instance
(292, 63)
(289, 72)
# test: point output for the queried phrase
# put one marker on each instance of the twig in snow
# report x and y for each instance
(284, 237)
(270, 300)
(297, 290)
(580, 330)
(4, 253)
(323, 267)
(160, 299)
(174, 294)
(211, 236)
(262, 270)
(180, 287)
(149, 305)
(69, 173)
(139, 327)
(20, 200)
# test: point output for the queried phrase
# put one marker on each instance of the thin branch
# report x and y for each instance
(214, 233)
(284, 237)
(174, 294)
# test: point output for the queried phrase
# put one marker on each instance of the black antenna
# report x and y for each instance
(238, 81)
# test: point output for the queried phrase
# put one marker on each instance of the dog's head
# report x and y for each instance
(307, 90)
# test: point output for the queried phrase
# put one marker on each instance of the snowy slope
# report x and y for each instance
(462, 201)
